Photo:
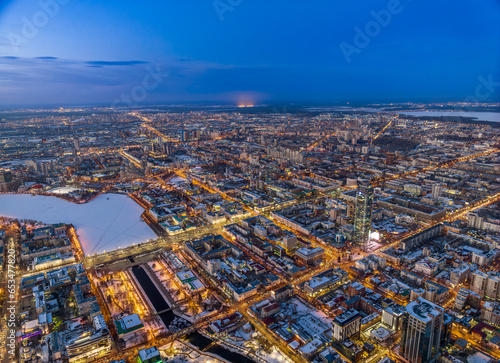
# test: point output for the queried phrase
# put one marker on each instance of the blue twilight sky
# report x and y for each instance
(73, 52)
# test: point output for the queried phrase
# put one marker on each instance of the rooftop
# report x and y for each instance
(149, 353)
(423, 310)
(347, 317)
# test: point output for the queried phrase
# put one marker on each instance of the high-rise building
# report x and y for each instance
(45, 168)
(486, 284)
(390, 158)
(144, 162)
(478, 283)
(5, 176)
(437, 190)
(492, 290)
(475, 220)
(197, 134)
(422, 330)
(393, 316)
(167, 148)
(346, 325)
(363, 213)
(185, 135)
(76, 142)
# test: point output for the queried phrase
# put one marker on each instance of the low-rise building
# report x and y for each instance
(149, 355)
(308, 255)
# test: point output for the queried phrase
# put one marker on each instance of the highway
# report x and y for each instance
(381, 131)
(317, 142)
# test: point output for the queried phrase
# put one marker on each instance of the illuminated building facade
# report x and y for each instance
(422, 331)
(363, 213)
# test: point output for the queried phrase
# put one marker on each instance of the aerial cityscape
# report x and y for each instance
(207, 202)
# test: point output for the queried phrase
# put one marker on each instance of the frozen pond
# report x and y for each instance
(106, 223)
(482, 116)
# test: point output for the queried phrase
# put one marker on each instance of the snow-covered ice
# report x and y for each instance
(108, 222)
(483, 116)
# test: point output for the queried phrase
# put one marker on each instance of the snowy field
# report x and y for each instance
(108, 222)
(483, 116)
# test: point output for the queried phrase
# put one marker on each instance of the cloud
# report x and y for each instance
(98, 63)
(55, 80)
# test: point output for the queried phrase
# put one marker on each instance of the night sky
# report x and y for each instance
(245, 51)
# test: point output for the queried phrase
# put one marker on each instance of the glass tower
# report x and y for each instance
(421, 331)
(363, 213)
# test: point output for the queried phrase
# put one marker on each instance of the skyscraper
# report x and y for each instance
(421, 331)
(363, 213)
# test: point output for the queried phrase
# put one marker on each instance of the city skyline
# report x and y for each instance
(334, 235)
(249, 181)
